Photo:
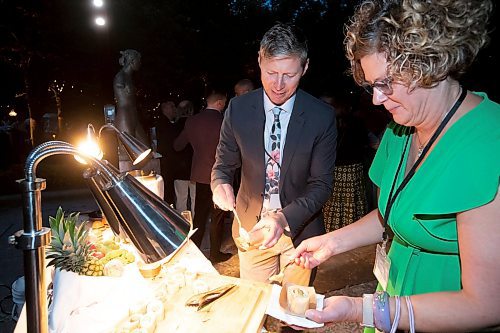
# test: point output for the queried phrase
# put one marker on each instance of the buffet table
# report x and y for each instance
(242, 309)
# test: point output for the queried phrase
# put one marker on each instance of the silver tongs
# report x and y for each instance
(203, 299)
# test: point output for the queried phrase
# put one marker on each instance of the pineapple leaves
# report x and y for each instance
(60, 227)
(71, 230)
(59, 214)
(68, 249)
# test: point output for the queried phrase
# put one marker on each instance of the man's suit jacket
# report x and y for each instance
(202, 132)
(307, 164)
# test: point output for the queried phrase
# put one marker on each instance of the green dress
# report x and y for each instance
(461, 173)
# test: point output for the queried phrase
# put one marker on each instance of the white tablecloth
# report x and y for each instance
(101, 312)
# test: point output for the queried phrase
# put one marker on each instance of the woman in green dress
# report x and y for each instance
(437, 169)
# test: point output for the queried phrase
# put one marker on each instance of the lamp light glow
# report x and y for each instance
(100, 21)
(142, 156)
(135, 149)
(98, 3)
(89, 147)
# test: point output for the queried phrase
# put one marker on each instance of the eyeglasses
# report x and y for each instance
(384, 86)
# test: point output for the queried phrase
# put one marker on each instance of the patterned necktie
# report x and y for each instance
(273, 157)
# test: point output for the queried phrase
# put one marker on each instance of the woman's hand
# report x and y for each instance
(338, 309)
(313, 251)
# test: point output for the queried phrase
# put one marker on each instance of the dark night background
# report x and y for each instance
(186, 46)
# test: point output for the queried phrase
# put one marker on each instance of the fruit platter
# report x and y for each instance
(101, 284)
(93, 271)
(86, 251)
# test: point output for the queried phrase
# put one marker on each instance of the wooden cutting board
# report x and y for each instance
(242, 309)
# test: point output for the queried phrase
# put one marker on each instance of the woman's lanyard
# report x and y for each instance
(392, 197)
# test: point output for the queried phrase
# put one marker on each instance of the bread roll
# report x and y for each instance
(298, 299)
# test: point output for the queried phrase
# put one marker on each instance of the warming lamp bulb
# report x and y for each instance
(89, 146)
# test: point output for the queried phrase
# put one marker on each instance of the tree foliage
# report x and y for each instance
(186, 46)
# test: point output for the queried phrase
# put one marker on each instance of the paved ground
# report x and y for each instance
(346, 274)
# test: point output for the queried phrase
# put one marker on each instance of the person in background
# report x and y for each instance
(202, 132)
(168, 129)
(185, 109)
(243, 86)
(185, 189)
(437, 169)
(374, 119)
(284, 141)
(348, 200)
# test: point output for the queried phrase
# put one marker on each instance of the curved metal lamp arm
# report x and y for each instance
(60, 147)
(41, 147)
(108, 126)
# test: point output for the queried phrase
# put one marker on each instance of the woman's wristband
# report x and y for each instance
(395, 323)
(381, 311)
(411, 315)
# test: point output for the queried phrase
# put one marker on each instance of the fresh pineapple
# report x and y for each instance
(68, 249)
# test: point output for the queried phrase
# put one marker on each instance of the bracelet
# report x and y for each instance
(395, 323)
(367, 310)
(411, 315)
(381, 312)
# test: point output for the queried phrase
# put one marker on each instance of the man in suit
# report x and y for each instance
(202, 132)
(282, 131)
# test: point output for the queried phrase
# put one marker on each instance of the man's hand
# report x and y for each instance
(272, 226)
(313, 251)
(223, 197)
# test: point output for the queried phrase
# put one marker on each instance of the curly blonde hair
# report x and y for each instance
(424, 41)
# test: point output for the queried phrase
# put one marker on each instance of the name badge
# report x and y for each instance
(382, 266)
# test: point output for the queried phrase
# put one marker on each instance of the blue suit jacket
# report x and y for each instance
(307, 163)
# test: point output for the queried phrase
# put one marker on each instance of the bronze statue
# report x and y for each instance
(127, 117)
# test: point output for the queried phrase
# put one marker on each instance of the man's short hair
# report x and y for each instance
(284, 39)
(167, 104)
(215, 95)
(245, 85)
